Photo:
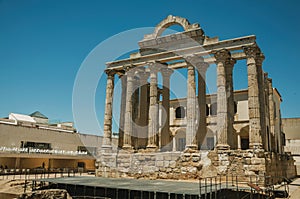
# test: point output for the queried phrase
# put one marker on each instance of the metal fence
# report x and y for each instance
(225, 186)
(38, 173)
(245, 187)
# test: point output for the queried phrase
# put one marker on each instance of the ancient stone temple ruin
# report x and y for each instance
(230, 132)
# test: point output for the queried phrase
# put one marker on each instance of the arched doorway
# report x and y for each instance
(180, 139)
(244, 136)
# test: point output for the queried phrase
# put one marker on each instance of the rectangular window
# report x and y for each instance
(244, 143)
(37, 145)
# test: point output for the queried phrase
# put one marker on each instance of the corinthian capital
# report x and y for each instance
(110, 73)
(252, 51)
(222, 55)
(129, 69)
(197, 61)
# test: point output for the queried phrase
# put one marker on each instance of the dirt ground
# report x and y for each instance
(12, 188)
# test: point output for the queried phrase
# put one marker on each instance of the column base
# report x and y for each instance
(151, 148)
(255, 146)
(127, 147)
(191, 147)
(223, 147)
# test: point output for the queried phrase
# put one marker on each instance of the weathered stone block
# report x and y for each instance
(172, 164)
(168, 157)
(257, 167)
(159, 163)
(195, 159)
(166, 163)
(168, 170)
(257, 161)
(225, 163)
(159, 157)
(183, 169)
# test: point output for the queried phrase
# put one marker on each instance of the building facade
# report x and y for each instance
(291, 129)
(240, 133)
(29, 141)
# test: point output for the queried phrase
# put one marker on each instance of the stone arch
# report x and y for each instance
(169, 21)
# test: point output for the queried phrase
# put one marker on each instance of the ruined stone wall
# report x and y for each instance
(195, 164)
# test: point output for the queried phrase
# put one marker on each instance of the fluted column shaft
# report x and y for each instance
(225, 112)
(153, 125)
(165, 133)
(202, 126)
(122, 110)
(108, 109)
(191, 140)
(128, 129)
(144, 110)
(272, 116)
(254, 60)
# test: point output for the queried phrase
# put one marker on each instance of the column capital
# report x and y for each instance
(252, 51)
(129, 69)
(222, 55)
(166, 72)
(110, 73)
(121, 73)
(260, 58)
(154, 66)
(198, 62)
(229, 64)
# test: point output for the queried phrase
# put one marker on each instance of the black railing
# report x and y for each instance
(252, 186)
(39, 173)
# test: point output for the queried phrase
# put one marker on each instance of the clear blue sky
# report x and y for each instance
(43, 44)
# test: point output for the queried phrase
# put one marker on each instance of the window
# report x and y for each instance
(207, 110)
(235, 107)
(37, 145)
(244, 143)
(180, 112)
(213, 109)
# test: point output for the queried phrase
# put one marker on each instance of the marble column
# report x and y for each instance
(123, 78)
(239, 146)
(202, 126)
(191, 139)
(254, 60)
(174, 143)
(165, 132)
(128, 128)
(135, 110)
(225, 104)
(153, 125)
(108, 109)
(272, 116)
(143, 110)
(267, 111)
